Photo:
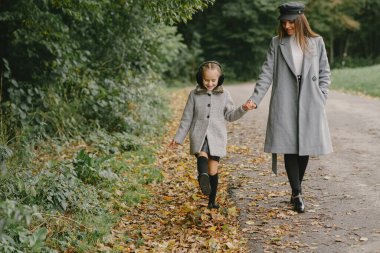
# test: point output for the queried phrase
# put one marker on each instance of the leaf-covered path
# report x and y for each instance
(176, 218)
(341, 190)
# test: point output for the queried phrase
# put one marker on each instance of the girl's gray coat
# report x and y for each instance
(205, 114)
(297, 122)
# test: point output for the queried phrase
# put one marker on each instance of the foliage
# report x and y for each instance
(54, 189)
(364, 80)
(175, 11)
(14, 233)
(86, 64)
(90, 72)
(237, 33)
(90, 170)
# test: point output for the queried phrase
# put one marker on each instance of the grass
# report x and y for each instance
(363, 80)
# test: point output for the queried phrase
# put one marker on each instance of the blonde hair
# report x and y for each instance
(303, 31)
(211, 65)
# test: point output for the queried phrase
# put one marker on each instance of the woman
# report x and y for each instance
(298, 69)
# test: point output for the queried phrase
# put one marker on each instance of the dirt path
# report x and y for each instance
(341, 190)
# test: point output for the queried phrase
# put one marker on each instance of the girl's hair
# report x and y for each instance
(303, 31)
(211, 65)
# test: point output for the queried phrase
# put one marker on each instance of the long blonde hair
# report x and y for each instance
(303, 31)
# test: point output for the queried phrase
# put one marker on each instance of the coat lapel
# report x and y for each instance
(287, 53)
(308, 56)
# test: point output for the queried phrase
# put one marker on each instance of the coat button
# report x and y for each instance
(208, 105)
(208, 116)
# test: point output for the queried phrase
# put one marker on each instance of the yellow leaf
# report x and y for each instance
(230, 245)
(232, 211)
(213, 228)
(250, 222)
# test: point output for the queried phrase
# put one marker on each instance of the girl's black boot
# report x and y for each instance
(214, 188)
(203, 177)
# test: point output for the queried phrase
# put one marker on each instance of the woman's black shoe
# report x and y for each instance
(298, 203)
(204, 183)
(212, 205)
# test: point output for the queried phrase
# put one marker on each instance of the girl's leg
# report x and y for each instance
(214, 179)
(203, 177)
(202, 163)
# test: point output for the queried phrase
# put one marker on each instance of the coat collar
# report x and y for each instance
(286, 51)
(307, 57)
(202, 90)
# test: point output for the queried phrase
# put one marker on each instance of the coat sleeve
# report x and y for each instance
(324, 69)
(266, 76)
(186, 120)
(232, 112)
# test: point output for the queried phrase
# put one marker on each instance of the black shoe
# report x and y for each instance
(298, 203)
(212, 205)
(291, 198)
(204, 183)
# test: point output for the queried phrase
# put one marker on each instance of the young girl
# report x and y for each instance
(297, 67)
(208, 108)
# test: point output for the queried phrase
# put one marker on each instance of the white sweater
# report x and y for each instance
(297, 55)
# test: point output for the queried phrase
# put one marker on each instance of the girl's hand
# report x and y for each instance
(249, 105)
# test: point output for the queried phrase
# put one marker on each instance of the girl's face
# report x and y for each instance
(210, 78)
(289, 26)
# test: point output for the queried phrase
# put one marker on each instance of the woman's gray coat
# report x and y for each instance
(205, 114)
(297, 122)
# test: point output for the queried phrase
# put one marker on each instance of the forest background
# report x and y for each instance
(84, 91)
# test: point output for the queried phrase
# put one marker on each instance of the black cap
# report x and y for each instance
(290, 11)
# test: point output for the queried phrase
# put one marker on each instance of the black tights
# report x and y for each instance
(295, 166)
(214, 188)
(202, 166)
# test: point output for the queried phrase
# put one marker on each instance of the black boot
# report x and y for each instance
(299, 205)
(203, 177)
(214, 188)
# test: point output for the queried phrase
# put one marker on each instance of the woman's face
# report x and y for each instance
(210, 78)
(289, 26)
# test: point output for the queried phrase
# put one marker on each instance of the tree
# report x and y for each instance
(236, 33)
(336, 21)
(73, 63)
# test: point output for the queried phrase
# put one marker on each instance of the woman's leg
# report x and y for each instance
(292, 169)
(214, 180)
(302, 163)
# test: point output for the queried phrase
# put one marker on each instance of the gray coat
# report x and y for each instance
(297, 122)
(206, 114)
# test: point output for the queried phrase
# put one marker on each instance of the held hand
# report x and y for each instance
(173, 144)
(249, 105)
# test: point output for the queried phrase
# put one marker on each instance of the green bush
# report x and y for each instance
(56, 188)
(14, 233)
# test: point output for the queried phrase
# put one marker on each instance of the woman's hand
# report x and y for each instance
(173, 144)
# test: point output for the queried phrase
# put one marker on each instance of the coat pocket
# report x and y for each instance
(319, 91)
